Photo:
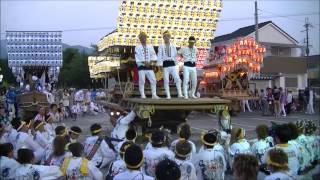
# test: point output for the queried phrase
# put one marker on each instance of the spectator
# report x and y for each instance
(276, 102)
(289, 102)
(264, 103)
(283, 99)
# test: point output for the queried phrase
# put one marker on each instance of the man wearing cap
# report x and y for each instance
(189, 55)
(167, 59)
(146, 57)
(209, 163)
(156, 153)
(96, 149)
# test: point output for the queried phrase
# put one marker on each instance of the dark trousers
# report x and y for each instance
(288, 108)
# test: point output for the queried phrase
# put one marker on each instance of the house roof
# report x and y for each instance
(245, 31)
(285, 65)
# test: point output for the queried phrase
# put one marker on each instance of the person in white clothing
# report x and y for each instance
(277, 162)
(131, 136)
(310, 108)
(168, 170)
(8, 164)
(167, 54)
(74, 133)
(40, 135)
(239, 145)
(189, 55)
(133, 157)
(23, 139)
(260, 147)
(96, 149)
(78, 167)
(156, 153)
(50, 126)
(118, 166)
(57, 153)
(28, 170)
(184, 132)
(182, 152)
(209, 163)
(145, 58)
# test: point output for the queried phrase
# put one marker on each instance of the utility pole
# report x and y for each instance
(307, 27)
(256, 20)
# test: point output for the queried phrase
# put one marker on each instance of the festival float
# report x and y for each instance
(230, 68)
(183, 18)
(35, 59)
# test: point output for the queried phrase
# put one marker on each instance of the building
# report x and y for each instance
(313, 70)
(283, 65)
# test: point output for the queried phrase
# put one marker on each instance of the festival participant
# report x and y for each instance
(78, 167)
(310, 97)
(260, 147)
(11, 101)
(167, 54)
(169, 170)
(118, 166)
(50, 126)
(208, 158)
(156, 153)
(277, 161)
(40, 135)
(41, 114)
(8, 164)
(57, 154)
(130, 136)
(245, 167)
(182, 151)
(66, 101)
(313, 142)
(23, 139)
(133, 157)
(74, 133)
(225, 121)
(238, 144)
(145, 57)
(96, 148)
(283, 100)
(28, 170)
(54, 113)
(184, 132)
(189, 55)
(7, 133)
(282, 135)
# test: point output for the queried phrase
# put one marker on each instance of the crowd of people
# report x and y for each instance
(43, 149)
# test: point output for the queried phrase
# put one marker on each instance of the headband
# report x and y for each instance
(97, 131)
(74, 132)
(270, 162)
(180, 155)
(39, 125)
(205, 142)
(135, 166)
(22, 124)
(64, 133)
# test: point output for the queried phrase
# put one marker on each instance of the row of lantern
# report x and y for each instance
(253, 68)
(33, 48)
(35, 63)
(32, 35)
(177, 2)
(243, 58)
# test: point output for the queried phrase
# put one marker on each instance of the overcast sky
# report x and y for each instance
(84, 22)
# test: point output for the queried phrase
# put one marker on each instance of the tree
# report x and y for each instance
(8, 77)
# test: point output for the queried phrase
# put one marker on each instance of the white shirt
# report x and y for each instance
(240, 147)
(104, 153)
(73, 170)
(280, 176)
(42, 140)
(259, 148)
(188, 171)
(167, 54)
(50, 159)
(132, 175)
(146, 54)
(65, 99)
(153, 156)
(193, 148)
(189, 55)
(289, 98)
(30, 171)
(304, 158)
(117, 167)
(122, 125)
(8, 167)
(50, 129)
(210, 164)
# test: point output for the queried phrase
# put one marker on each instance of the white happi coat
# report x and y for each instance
(240, 147)
(143, 55)
(9, 135)
(132, 175)
(153, 156)
(259, 148)
(117, 167)
(280, 176)
(210, 164)
(189, 56)
(43, 139)
(24, 140)
(52, 160)
(304, 158)
(103, 156)
(169, 55)
(8, 168)
(188, 171)
(73, 170)
(122, 125)
(37, 172)
(50, 129)
(193, 148)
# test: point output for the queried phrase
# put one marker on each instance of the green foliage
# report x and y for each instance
(75, 70)
(8, 77)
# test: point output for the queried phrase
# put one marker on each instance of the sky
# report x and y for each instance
(84, 22)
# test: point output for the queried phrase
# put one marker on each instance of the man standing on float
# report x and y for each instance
(146, 58)
(167, 54)
(189, 55)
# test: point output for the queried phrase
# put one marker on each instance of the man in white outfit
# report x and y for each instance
(189, 55)
(146, 57)
(167, 59)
